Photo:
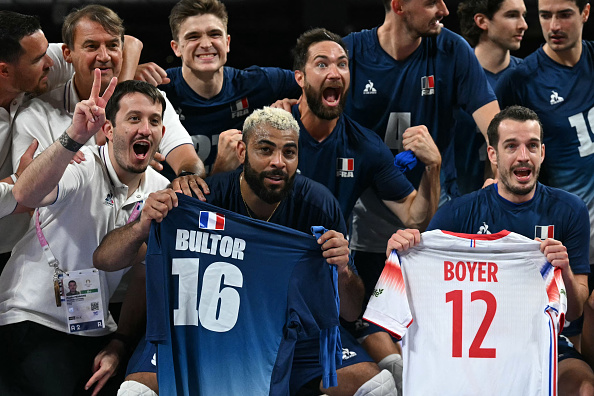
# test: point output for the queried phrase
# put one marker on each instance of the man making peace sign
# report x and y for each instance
(51, 339)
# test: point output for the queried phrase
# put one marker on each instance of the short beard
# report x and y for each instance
(314, 102)
(121, 147)
(255, 181)
(518, 190)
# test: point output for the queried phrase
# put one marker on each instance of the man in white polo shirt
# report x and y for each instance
(93, 38)
(51, 339)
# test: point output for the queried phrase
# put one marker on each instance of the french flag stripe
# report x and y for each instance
(212, 221)
(544, 232)
(346, 164)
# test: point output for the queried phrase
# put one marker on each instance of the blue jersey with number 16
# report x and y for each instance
(228, 296)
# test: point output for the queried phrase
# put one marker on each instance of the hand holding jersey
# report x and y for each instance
(419, 141)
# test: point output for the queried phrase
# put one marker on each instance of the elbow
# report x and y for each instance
(97, 262)
(22, 197)
(351, 313)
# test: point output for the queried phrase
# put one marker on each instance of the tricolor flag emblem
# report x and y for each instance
(211, 221)
(345, 164)
(240, 105)
(427, 85)
(544, 232)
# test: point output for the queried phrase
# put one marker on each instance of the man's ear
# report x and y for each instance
(492, 155)
(228, 43)
(240, 150)
(300, 77)
(396, 6)
(66, 53)
(481, 21)
(175, 48)
(107, 129)
(5, 71)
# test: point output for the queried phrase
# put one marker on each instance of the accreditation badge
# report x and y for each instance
(83, 300)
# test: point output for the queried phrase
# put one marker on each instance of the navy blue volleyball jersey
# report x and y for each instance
(351, 159)
(308, 203)
(563, 98)
(243, 92)
(228, 296)
(388, 96)
(470, 146)
(551, 213)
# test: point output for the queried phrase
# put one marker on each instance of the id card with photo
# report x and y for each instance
(83, 300)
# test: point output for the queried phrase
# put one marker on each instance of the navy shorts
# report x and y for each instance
(144, 358)
(565, 350)
(307, 371)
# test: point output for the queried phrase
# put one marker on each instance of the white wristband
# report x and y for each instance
(14, 177)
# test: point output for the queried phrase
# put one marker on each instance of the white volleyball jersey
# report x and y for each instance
(477, 314)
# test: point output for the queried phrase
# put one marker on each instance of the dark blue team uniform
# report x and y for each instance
(213, 292)
(351, 159)
(470, 146)
(308, 203)
(389, 96)
(243, 92)
(563, 98)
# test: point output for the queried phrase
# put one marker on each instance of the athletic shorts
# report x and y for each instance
(565, 350)
(144, 358)
(306, 373)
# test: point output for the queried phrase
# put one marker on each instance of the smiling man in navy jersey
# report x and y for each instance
(518, 203)
(212, 99)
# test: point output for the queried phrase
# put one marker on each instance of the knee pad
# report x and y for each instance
(380, 385)
(133, 388)
(393, 363)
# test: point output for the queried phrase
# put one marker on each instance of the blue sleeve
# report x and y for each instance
(577, 241)
(282, 82)
(473, 89)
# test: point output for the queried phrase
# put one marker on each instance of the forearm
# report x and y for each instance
(576, 287)
(588, 331)
(351, 292)
(133, 314)
(35, 186)
(184, 159)
(130, 58)
(121, 248)
(426, 201)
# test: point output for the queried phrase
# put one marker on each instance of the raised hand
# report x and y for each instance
(89, 115)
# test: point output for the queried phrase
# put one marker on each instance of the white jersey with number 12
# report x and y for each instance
(477, 314)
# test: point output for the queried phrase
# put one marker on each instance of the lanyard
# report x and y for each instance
(52, 261)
